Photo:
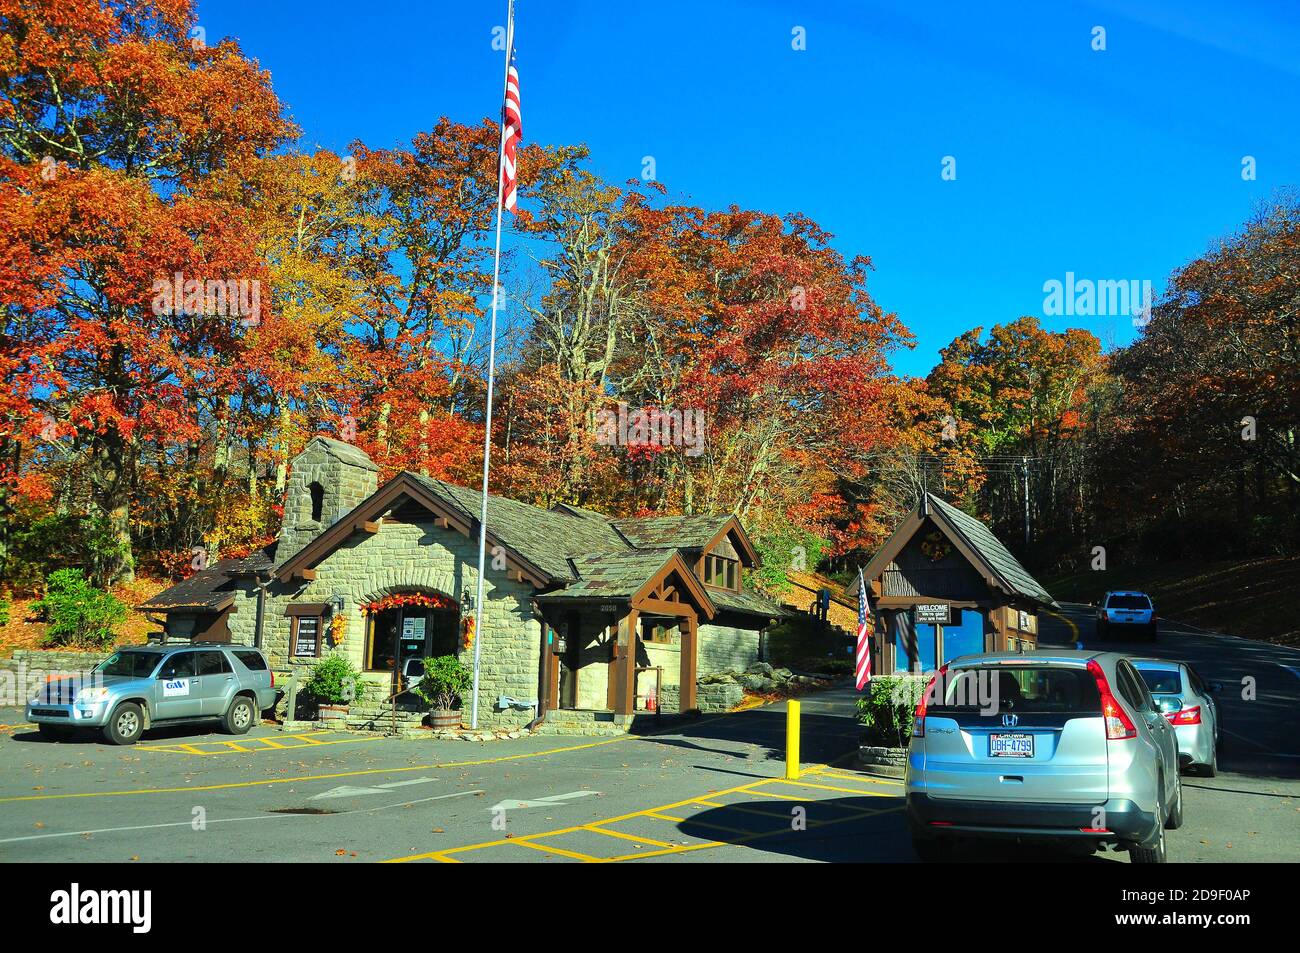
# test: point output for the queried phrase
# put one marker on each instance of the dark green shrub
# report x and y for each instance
(886, 710)
(78, 614)
(445, 682)
(335, 681)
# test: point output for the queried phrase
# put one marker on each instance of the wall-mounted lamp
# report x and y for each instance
(338, 602)
(466, 601)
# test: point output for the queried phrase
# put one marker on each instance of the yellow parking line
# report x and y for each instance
(559, 851)
(783, 797)
(831, 787)
(597, 829)
(864, 779)
(741, 835)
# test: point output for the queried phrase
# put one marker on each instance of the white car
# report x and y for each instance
(1131, 611)
(1187, 702)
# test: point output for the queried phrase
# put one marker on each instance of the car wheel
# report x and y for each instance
(55, 732)
(933, 850)
(1212, 769)
(1153, 853)
(1175, 818)
(125, 725)
(239, 716)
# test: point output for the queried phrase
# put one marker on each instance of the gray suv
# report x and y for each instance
(149, 685)
(1060, 746)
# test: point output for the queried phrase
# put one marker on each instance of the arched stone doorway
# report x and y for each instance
(409, 624)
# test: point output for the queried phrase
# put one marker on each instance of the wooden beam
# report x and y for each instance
(665, 608)
(368, 526)
(688, 666)
(623, 671)
(308, 574)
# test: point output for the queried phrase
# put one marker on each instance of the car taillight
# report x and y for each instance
(1188, 716)
(273, 679)
(1118, 724)
(918, 719)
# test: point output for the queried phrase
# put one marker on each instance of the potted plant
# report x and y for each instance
(885, 713)
(334, 685)
(445, 682)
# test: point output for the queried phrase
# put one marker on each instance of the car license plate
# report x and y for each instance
(1011, 746)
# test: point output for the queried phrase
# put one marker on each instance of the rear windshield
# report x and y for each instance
(1161, 681)
(1129, 602)
(130, 664)
(253, 661)
(1023, 689)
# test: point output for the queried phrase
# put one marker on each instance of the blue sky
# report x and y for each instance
(1114, 164)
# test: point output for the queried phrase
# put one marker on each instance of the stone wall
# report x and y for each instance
(345, 475)
(725, 646)
(411, 555)
(22, 675)
(709, 697)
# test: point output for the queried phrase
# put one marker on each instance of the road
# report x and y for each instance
(709, 790)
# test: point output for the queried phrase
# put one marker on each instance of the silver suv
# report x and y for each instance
(149, 685)
(1058, 746)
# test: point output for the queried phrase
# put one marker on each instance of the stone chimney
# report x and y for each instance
(326, 481)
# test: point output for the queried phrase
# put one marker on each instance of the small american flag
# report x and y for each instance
(863, 666)
(514, 134)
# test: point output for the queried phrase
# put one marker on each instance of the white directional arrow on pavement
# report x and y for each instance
(346, 791)
(511, 804)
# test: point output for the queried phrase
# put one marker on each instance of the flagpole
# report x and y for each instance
(491, 374)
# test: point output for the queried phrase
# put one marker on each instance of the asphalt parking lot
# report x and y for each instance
(706, 790)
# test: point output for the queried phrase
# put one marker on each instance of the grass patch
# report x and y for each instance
(1253, 598)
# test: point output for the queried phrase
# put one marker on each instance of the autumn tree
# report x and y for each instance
(111, 118)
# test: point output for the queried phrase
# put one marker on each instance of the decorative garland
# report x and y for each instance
(338, 628)
(936, 546)
(409, 599)
(467, 639)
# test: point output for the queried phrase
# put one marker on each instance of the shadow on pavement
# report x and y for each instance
(854, 830)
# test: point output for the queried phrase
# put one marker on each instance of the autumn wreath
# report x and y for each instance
(402, 599)
(935, 546)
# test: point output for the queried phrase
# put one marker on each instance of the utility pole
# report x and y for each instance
(1024, 463)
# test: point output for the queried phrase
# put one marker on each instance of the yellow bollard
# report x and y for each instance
(792, 740)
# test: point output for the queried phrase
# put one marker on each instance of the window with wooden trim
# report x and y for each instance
(658, 634)
(305, 636)
(721, 572)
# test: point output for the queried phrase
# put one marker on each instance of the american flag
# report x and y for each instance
(514, 134)
(863, 666)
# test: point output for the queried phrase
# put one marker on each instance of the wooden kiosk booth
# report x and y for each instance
(945, 586)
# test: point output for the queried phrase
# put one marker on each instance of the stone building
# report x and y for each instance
(581, 612)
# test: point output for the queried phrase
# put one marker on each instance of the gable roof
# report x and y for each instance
(627, 574)
(973, 539)
(995, 555)
(547, 538)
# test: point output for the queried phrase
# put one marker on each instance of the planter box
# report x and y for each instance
(889, 762)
